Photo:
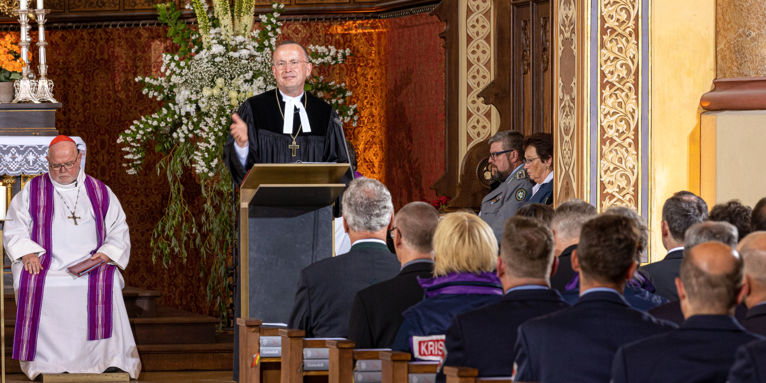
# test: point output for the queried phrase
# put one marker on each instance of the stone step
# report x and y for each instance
(171, 326)
(140, 303)
(160, 357)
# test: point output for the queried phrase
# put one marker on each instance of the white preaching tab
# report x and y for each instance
(290, 104)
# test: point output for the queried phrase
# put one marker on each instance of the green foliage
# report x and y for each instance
(178, 31)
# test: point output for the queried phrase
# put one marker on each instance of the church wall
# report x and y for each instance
(94, 71)
(683, 51)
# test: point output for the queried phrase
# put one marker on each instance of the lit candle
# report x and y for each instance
(23, 4)
(2, 202)
(39, 4)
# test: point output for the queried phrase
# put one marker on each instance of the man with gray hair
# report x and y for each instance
(376, 313)
(566, 225)
(326, 288)
(679, 213)
(506, 154)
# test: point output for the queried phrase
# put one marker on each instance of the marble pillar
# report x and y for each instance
(741, 38)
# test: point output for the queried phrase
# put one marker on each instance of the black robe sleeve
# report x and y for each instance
(230, 158)
(337, 151)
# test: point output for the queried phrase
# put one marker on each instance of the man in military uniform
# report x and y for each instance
(507, 155)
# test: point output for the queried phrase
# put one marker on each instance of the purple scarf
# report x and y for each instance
(462, 283)
(31, 287)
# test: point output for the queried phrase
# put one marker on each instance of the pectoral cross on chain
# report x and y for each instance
(294, 146)
(73, 217)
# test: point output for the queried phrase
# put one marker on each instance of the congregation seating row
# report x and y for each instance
(396, 367)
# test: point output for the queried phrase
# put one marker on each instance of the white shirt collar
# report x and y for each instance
(373, 240)
(286, 97)
(675, 249)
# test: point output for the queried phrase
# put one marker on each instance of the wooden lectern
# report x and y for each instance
(285, 225)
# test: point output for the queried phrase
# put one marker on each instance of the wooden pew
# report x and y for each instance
(268, 369)
(343, 360)
(470, 375)
(293, 343)
(397, 367)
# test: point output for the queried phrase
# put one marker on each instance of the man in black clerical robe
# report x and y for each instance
(258, 133)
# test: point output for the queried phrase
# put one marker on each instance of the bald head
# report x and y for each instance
(711, 278)
(417, 222)
(753, 251)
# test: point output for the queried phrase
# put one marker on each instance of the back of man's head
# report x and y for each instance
(527, 248)
(607, 248)
(711, 275)
(367, 205)
(753, 251)
(698, 233)
(643, 242)
(417, 223)
(511, 141)
(540, 211)
(758, 219)
(569, 218)
(681, 211)
(735, 213)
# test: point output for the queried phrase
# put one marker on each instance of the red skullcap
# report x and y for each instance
(61, 138)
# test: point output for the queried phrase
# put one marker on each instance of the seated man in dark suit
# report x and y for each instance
(703, 348)
(753, 250)
(578, 344)
(474, 339)
(567, 222)
(639, 292)
(735, 213)
(377, 310)
(700, 233)
(326, 288)
(749, 366)
(758, 219)
(679, 213)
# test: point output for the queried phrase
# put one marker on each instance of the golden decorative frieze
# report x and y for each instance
(479, 55)
(619, 111)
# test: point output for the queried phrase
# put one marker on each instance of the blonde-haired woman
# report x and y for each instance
(465, 257)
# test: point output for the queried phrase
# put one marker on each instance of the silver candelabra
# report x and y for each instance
(25, 88)
(44, 84)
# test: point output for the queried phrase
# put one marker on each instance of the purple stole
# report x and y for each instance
(100, 280)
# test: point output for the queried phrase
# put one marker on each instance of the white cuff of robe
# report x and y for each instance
(290, 105)
(241, 153)
(22, 249)
(114, 253)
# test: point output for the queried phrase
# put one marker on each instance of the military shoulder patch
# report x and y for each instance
(521, 194)
(521, 174)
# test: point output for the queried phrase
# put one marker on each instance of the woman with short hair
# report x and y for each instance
(465, 259)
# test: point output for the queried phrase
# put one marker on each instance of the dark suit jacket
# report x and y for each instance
(755, 319)
(481, 338)
(663, 274)
(749, 366)
(327, 288)
(564, 273)
(544, 195)
(377, 310)
(701, 350)
(671, 311)
(578, 344)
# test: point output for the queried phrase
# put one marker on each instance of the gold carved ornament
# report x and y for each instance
(479, 53)
(619, 112)
(566, 106)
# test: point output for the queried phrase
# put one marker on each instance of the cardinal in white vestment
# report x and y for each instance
(66, 323)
